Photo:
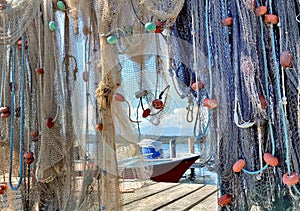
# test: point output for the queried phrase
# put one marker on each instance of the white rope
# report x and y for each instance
(39, 37)
(244, 124)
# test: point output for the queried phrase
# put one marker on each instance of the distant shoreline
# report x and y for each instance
(163, 139)
(166, 139)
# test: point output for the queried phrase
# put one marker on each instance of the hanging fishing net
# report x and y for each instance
(245, 58)
(79, 77)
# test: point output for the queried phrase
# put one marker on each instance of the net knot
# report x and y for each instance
(102, 93)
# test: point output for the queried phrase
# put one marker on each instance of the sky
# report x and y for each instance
(173, 124)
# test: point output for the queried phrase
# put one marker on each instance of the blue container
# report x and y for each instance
(148, 150)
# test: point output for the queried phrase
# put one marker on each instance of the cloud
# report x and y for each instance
(174, 123)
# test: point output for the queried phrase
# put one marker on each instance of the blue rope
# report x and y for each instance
(21, 117)
(255, 172)
(277, 76)
(209, 62)
(208, 48)
(287, 157)
(266, 82)
(268, 99)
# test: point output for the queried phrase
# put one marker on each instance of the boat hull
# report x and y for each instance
(173, 171)
(164, 170)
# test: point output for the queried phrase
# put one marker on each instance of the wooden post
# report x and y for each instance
(191, 145)
(172, 145)
(111, 196)
(191, 151)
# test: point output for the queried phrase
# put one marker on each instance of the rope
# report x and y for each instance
(166, 90)
(86, 63)
(266, 82)
(39, 38)
(171, 66)
(190, 110)
(277, 78)
(129, 113)
(268, 109)
(21, 118)
(208, 48)
(195, 67)
(116, 29)
(244, 125)
(2, 91)
(281, 106)
(135, 13)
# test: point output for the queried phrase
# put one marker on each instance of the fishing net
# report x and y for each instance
(241, 77)
(16, 18)
(85, 136)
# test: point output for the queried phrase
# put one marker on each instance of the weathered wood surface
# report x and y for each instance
(209, 204)
(172, 196)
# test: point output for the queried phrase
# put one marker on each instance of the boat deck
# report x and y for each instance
(172, 196)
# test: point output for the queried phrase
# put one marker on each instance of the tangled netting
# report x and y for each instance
(78, 76)
(258, 99)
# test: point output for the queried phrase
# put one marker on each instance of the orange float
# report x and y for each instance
(290, 179)
(227, 21)
(286, 59)
(210, 103)
(99, 127)
(157, 104)
(270, 18)
(224, 200)
(200, 85)
(261, 10)
(238, 165)
(270, 159)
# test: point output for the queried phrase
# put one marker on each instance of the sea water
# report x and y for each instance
(202, 175)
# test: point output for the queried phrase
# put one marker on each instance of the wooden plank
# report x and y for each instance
(209, 204)
(147, 191)
(192, 199)
(163, 198)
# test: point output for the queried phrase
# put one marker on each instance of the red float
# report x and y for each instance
(99, 127)
(238, 165)
(290, 179)
(270, 18)
(5, 115)
(200, 85)
(224, 200)
(227, 21)
(39, 71)
(157, 104)
(146, 113)
(3, 186)
(28, 155)
(270, 159)
(159, 26)
(49, 123)
(263, 101)
(4, 109)
(210, 103)
(286, 59)
(261, 10)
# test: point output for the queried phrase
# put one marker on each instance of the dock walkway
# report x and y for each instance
(172, 196)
